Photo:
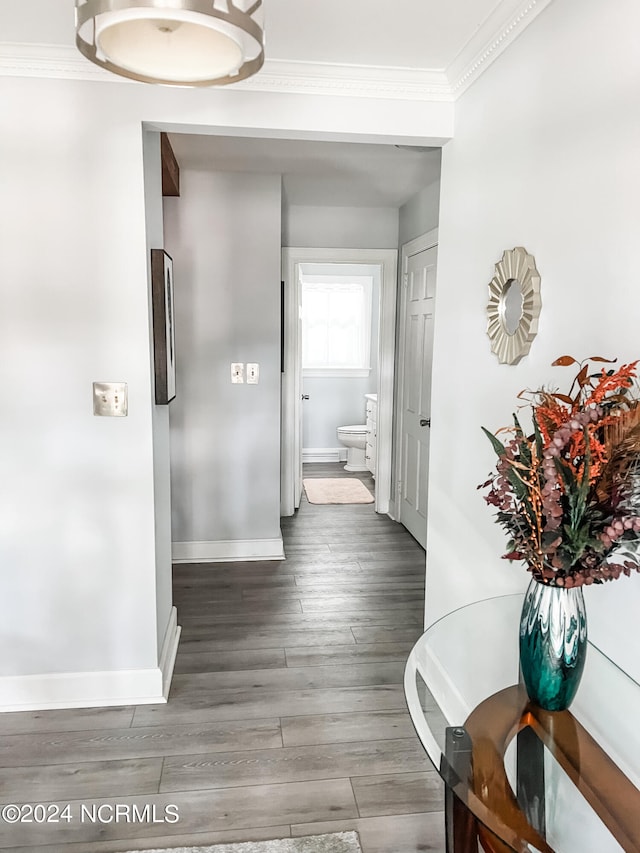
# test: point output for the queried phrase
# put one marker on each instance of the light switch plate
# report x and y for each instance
(110, 399)
(237, 373)
(253, 373)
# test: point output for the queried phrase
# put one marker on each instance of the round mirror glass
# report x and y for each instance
(511, 304)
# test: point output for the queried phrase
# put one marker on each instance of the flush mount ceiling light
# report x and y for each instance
(176, 42)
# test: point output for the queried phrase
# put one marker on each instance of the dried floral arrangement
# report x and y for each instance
(568, 494)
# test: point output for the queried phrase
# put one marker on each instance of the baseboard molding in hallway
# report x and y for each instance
(223, 551)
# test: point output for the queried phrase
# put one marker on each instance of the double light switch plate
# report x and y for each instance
(110, 399)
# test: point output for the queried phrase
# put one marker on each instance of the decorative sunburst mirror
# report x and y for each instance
(514, 305)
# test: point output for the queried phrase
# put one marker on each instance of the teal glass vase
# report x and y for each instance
(553, 644)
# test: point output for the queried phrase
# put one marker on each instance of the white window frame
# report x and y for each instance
(350, 371)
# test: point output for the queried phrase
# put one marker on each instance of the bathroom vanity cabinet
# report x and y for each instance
(371, 449)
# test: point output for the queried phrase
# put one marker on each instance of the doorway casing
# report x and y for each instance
(387, 261)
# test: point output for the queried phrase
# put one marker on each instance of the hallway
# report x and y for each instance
(286, 714)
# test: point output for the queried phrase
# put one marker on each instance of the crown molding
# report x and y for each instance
(498, 31)
(361, 81)
(48, 60)
(507, 21)
(304, 78)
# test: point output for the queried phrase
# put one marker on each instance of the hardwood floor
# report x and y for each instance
(286, 714)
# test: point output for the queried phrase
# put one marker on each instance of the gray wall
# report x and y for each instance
(77, 546)
(420, 213)
(340, 227)
(332, 402)
(224, 235)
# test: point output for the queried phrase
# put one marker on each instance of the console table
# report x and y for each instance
(518, 778)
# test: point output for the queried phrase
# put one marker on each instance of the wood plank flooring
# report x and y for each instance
(286, 714)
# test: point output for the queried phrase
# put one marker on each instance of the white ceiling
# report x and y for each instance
(318, 173)
(395, 33)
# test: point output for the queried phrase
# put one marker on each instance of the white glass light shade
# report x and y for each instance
(181, 42)
(172, 47)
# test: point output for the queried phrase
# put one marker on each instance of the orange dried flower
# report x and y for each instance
(608, 383)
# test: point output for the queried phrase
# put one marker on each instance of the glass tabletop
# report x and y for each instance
(526, 775)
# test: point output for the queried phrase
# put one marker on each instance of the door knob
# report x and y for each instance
(425, 422)
(305, 396)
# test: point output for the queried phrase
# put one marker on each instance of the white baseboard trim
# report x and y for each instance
(324, 454)
(81, 690)
(95, 689)
(169, 651)
(232, 550)
(443, 688)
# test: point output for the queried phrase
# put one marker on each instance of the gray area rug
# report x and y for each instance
(334, 842)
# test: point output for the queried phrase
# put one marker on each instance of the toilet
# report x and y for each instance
(354, 438)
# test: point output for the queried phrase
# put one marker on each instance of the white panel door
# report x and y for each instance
(420, 285)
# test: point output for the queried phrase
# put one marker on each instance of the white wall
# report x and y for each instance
(340, 227)
(545, 156)
(223, 233)
(77, 530)
(420, 213)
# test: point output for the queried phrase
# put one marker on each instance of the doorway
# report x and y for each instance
(294, 261)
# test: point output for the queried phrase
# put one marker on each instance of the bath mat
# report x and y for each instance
(337, 490)
(333, 842)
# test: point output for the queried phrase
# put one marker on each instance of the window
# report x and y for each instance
(336, 325)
